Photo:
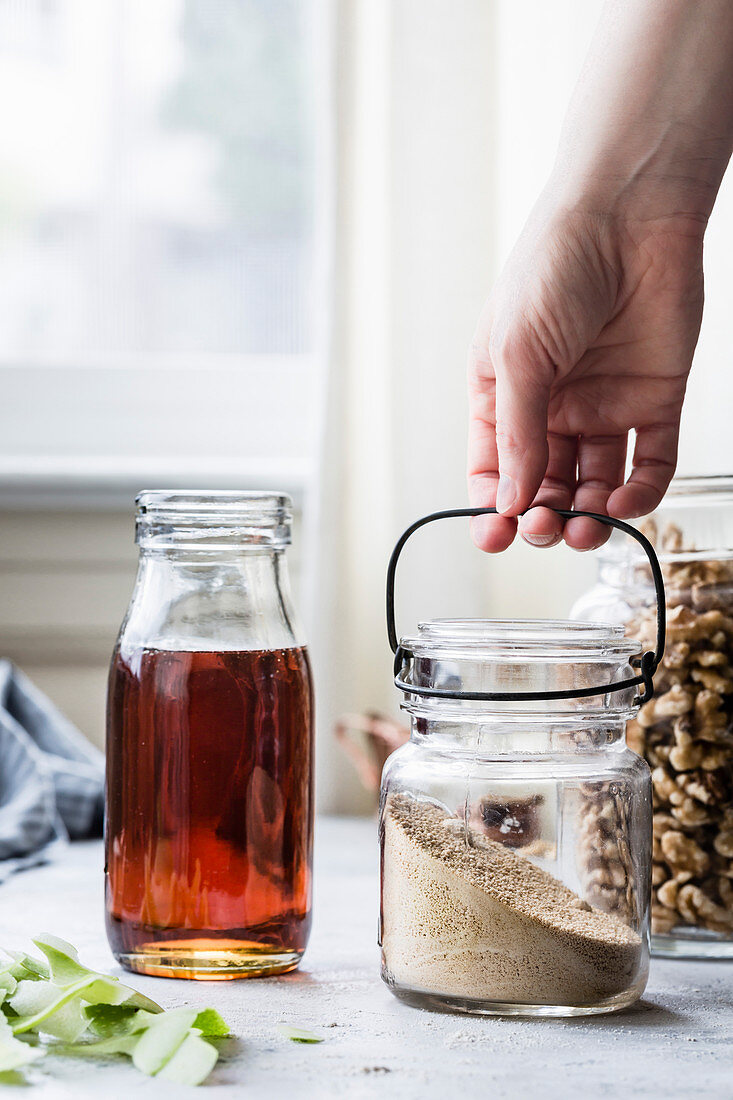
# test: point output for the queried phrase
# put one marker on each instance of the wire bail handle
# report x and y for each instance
(647, 663)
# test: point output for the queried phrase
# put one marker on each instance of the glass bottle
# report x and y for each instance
(209, 815)
(686, 731)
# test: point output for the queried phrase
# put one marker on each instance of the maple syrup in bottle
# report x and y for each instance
(209, 820)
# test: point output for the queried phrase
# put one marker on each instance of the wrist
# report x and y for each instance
(668, 177)
(649, 130)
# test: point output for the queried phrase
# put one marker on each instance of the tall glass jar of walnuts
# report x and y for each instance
(686, 731)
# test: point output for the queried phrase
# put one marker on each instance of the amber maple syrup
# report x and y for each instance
(209, 811)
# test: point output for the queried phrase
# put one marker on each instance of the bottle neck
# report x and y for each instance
(225, 597)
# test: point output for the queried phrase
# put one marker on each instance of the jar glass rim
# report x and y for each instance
(695, 486)
(696, 512)
(497, 639)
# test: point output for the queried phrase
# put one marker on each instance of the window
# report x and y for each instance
(158, 284)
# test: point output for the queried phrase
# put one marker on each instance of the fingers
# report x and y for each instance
(540, 526)
(601, 465)
(655, 459)
(490, 533)
(522, 397)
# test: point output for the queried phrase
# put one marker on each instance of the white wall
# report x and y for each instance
(539, 51)
(706, 441)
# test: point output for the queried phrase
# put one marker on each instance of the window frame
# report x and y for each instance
(45, 463)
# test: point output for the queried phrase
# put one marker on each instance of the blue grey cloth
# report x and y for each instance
(51, 778)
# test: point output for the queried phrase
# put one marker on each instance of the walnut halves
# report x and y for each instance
(685, 732)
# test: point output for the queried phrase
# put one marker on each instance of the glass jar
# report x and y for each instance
(516, 834)
(686, 731)
(209, 815)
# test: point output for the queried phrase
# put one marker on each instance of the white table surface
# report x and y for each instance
(676, 1042)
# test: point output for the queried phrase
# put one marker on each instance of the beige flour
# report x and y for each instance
(479, 921)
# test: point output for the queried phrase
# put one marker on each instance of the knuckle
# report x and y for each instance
(506, 439)
(595, 485)
(554, 485)
(510, 347)
(518, 353)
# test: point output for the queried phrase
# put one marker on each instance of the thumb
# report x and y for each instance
(522, 398)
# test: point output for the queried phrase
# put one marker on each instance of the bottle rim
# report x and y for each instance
(207, 504)
(213, 516)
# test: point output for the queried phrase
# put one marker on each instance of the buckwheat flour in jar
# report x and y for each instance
(686, 731)
(493, 884)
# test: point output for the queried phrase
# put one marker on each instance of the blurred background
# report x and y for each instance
(244, 243)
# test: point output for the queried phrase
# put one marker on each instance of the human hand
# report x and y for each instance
(590, 330)
(588, 334)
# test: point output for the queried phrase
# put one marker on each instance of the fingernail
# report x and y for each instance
(540, 540)
(506, 493)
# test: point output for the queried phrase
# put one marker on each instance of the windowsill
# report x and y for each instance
(110, 483)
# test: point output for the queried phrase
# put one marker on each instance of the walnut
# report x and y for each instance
(661, 823)
(676, 655)
(706, 658)
(684, 624)
(681, 623)
(691, 813)
(695, 787)
(682, 728)
(671, 540)
(674, 702)
(605, 863)
(686, 754)
(663, 919)
(723, 844)
(719, 783)
(710, 717)
(712, 680)
(658, 755)
(696, 907)
(612, 874)
(666, 789)
(703, 597)
(712, 759)
(682, 852)
(648, 527)
(659, 874)
(686, 735)
(667, 893)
